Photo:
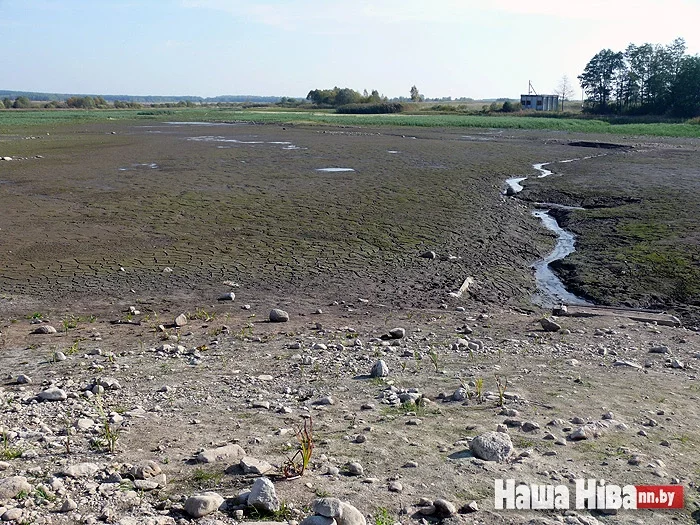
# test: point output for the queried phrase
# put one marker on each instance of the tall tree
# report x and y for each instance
(564, 90)
(415, 94)
(600, 76)
(686, 88)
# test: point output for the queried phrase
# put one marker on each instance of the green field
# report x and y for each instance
(13, 120)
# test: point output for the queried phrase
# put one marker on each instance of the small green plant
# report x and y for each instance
(434, 359)
(202, 315)
(297, 464)
(40, 493)
(208, 477)
(69, 323)
(73, 349)
(383, 517)
(109, 433)
(9, 452)
(38, 316)
(479, 387)
(501, 385)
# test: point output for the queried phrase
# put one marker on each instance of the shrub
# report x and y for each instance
(366, 109)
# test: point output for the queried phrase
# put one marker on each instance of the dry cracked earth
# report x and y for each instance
(151, 391)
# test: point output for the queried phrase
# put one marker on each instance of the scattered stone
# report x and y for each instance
(263, 497)
(548, 325)
(53, 393)
(45, 329)
(660, 350)
(81, 470)
(68, 505)
(227, 452)
(181, 320)
(629, 364)
(379, 369)
(460, 394)
(492, 446)
(203, 504)
(230, 296)
(251, 465)
(429, 255)
(328, 507)
(469, 508)
(350, 515)
(278, 316)
(24, 379)
(10, 487)
(12, 515)
(315, 519)
(397, 333)
(444, 508)
(146, 470)
(355, 469)
(530, 426)
(395, 486)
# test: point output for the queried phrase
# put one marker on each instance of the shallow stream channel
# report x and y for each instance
(550, 290)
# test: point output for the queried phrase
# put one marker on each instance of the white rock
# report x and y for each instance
(350, 515)
(53, 393)
(203, 504)
(263, 497)
(328, 507)
(68, 505)
(227, 452)
(81, 470)
(10, 487)
(379, 369)
(45, 329)
(251, 465)
(492, 446)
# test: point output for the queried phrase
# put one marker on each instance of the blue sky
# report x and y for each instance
(478, 49)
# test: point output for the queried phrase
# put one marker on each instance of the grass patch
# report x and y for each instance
(11, 120)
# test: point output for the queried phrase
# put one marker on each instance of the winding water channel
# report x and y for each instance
(550, 290)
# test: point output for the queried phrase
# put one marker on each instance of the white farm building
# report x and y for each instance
(540, 102)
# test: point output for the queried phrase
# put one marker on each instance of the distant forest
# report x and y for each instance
(149, 99)
(643, 80)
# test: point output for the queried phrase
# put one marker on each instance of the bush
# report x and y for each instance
(366, 109)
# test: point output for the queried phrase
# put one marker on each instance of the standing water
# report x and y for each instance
(550, 289)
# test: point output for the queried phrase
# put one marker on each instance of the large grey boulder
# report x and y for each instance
(227, 452)
(492, 446)
(263, 496)
(10, 487)
(379, 369)
(278, 316)
(350, 515)
(203, 504)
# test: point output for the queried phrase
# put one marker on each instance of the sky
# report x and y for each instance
(447, 48)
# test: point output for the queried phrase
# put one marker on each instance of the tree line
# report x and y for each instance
(643, 80)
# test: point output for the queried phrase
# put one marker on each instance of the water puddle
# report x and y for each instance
(137, 166)
(393, 151)
(551, 290)
(333, 170)
(194, 123)
(286, 145)
(479, 139)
